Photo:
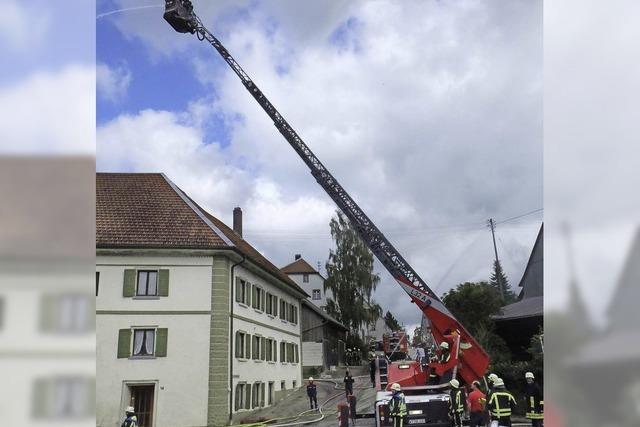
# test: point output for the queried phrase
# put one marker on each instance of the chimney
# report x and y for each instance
(237, 221)
(297, 257)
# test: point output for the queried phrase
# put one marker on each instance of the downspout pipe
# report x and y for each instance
(231, 343)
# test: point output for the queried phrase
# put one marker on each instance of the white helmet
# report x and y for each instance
(492, 377)
(498, 382)
(529, 375)
(310, 378)
(454, 383)
(130, 410)
(395, 387)
(444, 345)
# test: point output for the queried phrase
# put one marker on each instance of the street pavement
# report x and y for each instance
(330, 393)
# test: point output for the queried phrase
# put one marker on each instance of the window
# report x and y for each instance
(283, 385)
(294, 383)
(67, 313)
(272, 304)
(63, 398)
(255, 347)
(292, 353)
(97, 281)
(305, 278)
(262, 394)
(147, 283)
(241, 396)
(242, 345)
(263, 347)
(292, 314)
(283, 309)
(143, 342)
(243, 291)
(315, 294)
(283, 351)
(258, 298)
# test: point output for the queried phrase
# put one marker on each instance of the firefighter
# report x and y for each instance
(312, 393)
(348, 384)
(534, 401)
(445, 353)
(490, 379)
(443, 358)
(501, 404)
(130, 419)
(477, 400)
(397, 406)
(372, 371)
(457, 403)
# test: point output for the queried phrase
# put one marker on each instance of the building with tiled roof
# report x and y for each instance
(186, 310)
(47, 328)
(309, 279)
(519, 321)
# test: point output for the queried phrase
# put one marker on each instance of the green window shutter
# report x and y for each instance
(129, 286)
(238, 290)
(163, 283)
(124, 343)
(161, 342)
(40, 401)
(49, 313)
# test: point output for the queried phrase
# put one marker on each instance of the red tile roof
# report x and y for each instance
(147, 210)
(299, 266)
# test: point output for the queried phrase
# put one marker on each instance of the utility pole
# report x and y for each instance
(492, 226)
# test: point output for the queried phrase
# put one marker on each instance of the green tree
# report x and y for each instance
(473, 304)
(499, 281)
(391, 322)
(350, 277)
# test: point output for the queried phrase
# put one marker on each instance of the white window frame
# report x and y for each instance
(144, 343)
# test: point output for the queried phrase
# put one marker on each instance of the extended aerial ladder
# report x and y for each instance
(473, 360)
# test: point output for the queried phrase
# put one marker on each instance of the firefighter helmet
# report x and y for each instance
(444, 345)
(130, 410)
(529, 375)
(454, 383)
(492, 377)
(395, 387)
(498, 382)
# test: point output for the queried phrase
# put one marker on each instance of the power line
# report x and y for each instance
(518, 216)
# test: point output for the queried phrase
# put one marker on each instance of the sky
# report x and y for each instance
(428, 113)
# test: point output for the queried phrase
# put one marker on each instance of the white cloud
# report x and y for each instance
(21, 27)
(429, 114)
(112, 83)
(50, 112)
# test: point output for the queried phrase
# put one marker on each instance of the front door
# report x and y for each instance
(142, 401)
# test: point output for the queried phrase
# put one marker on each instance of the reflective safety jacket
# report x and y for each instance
(445, 356)
(457, 400)
(397, 405)
(130, 421)
(535, 404)
(312, 390)
(501, 404)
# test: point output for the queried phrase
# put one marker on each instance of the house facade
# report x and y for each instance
(323, 340)
(47, 327)
(309, 279)
(193, 324)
